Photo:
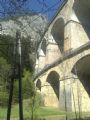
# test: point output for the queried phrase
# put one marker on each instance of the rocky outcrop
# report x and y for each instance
(31, 27)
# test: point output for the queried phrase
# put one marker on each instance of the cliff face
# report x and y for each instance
(30, 25)
(31, 28)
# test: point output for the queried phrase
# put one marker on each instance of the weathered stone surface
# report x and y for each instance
(74, 70)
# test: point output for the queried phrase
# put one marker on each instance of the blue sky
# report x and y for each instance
(45, 7)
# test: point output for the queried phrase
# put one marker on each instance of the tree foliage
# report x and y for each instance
(12, 8)
(4, 71)
(4, 81)
(6, 47)
(6, 63)
(28, 87)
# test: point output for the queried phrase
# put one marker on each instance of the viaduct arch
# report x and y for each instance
(57, 32)
(68, 53)
(82, 70)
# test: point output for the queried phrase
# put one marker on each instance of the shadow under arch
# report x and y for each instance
(53, 80)
(58, 33)
(82, 70)
(82, 11)
(43, 46)
(38, 84)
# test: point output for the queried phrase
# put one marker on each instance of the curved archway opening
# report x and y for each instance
(81, 9)
(82, 70)
(43, 46)
(58, 33)
(53, 80)
(38, 84)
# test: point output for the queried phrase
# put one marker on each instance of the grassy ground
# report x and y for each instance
(41, 112)
(83, 116)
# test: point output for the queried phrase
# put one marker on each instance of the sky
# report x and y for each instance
(45, 7)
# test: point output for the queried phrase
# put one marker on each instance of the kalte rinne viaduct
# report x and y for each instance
(62, 70)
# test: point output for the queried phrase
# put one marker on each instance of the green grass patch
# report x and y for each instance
(3, 113)
(47, 111)
(39, 112)
(82, 116)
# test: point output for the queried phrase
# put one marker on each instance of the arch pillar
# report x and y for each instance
(41, 59)
(67, 37)
(52, 51)
(65, 93)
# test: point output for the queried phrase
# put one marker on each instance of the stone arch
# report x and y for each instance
(53, 80)
(82, 69)
(38, 84)
(57, 32)
(81, 9)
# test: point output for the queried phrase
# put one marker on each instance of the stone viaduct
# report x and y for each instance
(62, 71)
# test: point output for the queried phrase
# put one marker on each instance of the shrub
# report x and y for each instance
(39, 100)
(28, 88)
(3, 99)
